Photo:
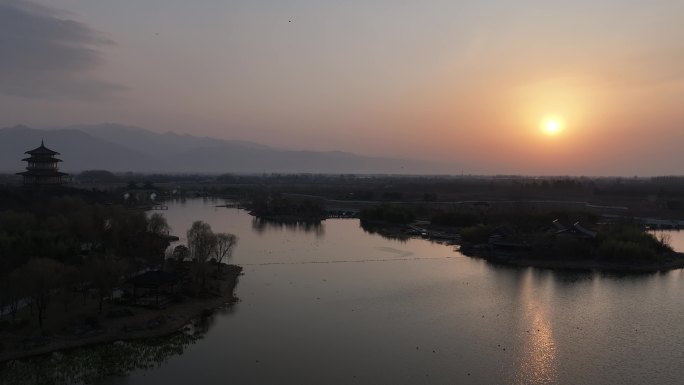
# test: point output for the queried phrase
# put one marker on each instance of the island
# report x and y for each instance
(525, 236)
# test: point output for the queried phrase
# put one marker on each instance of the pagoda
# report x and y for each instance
(42, 168)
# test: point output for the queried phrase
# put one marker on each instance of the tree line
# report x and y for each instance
(61, 245)
(65, 249)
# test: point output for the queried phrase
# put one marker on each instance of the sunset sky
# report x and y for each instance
(476, 84)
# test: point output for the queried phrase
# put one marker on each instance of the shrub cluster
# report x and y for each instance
(389, 213)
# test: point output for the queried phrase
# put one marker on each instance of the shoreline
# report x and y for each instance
(147, 323)
(521, 260)
(673, 261)
(287, 218)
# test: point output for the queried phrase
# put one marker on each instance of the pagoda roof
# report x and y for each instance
(42, 173)
(37, 159)
(42, 150)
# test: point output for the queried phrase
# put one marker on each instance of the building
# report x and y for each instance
(42, 169)
(576, 230)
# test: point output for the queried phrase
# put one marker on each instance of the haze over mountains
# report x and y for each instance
(122, 148)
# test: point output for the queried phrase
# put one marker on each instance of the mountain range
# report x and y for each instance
(121, 148)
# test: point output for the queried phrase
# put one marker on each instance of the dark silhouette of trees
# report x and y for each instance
(69, 279)
(204, 244)
(224, 244)
(52, 246)
(42, 276)
(455, 218)
(97, 176)
(276, 205)
(64, 228)
(157, 224)
(389, 213)
(201, 243)
(180, 253)
(12, 289)
(106, 273)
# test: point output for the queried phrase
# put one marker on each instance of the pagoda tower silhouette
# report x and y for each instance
(42, 169)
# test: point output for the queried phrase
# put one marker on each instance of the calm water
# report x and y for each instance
(334, 305)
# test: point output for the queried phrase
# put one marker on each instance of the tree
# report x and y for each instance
(180, 253)
(41, 275)
(157, 224)
(106, 274)
(16, 290)
(224, 247)
(201, 243)
(69, 279)
(12, 289)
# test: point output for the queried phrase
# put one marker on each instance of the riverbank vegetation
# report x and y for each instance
(392, 213)
(524, 234)
(93, 364)
(63, 243)
(276, 206)
(660, 197)
(70, 267)
(519, 226)
(571, 238)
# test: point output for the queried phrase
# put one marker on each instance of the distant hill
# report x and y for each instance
(126, 148)
(79, 151)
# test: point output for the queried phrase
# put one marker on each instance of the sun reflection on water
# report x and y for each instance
(537, 357)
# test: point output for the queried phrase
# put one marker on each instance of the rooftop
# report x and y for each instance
(42, 150)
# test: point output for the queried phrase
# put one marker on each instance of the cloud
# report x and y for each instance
(46, 55)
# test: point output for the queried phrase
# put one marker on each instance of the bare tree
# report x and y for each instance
(157, 224)
(4, 293)
(12, 290)
(201, 243)
(664, 239)
(223, 248)
(106, 273)
(83, 280)
(41, 275)
(68, 281)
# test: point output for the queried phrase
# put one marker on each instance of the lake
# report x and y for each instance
(333, 304)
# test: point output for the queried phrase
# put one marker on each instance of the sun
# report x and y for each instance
(552, 125)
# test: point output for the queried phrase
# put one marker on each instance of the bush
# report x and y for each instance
(389, 213)
(637, 237)
(13, 325)
(618, 250)
(91, 321)
(572, 247)
(476, 234)
(455, 218)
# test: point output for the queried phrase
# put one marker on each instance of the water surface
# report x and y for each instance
(332, 304)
